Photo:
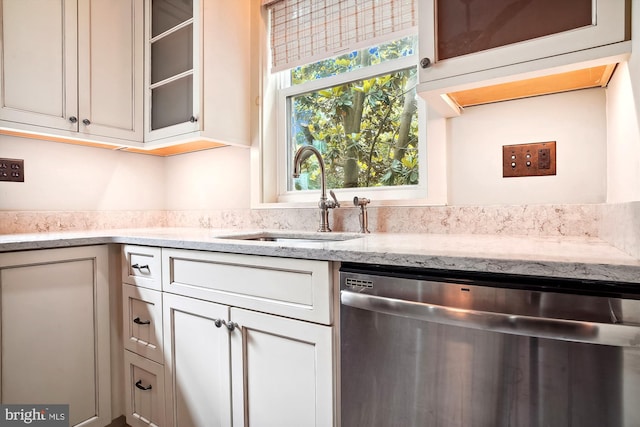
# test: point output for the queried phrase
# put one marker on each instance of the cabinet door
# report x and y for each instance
(467, 36)
(110, 68)
(38, 63)
(197, 371)
(172, 96)
(55, 331)
(282, 371)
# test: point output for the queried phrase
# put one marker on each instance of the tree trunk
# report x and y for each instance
(409, 109)
(352, 122)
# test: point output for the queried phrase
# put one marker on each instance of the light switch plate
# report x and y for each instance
(12, 170)
(537, 159)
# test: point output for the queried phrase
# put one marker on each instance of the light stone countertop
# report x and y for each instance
(564, 257)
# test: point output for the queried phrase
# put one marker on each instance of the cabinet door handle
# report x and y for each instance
(193, 119)
(140, 267)
(141, 322)
(73, 119)
(229, 325)
(86, 122)
(141, 387)
(425, 62)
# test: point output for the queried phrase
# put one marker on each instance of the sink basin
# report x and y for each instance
(293, 237)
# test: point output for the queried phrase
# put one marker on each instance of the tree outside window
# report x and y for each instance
(366, 129)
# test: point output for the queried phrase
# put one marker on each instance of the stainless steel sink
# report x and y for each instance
(293, 237)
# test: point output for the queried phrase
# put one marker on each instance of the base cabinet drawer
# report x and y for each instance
(144, 392)
(141, 266)
(295, 288)
(142, 320)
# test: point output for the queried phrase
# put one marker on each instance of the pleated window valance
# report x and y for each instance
(303, 31)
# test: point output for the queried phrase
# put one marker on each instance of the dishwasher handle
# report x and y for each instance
(557, 329)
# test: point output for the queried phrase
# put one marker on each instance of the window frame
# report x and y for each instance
(285, 90)
(269, 155)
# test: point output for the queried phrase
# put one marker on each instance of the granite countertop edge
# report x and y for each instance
(584, 258)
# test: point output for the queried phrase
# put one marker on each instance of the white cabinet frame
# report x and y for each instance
(607, 28)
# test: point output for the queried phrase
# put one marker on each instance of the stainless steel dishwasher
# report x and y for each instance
(422, 348)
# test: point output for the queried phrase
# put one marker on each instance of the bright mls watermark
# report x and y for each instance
(34, 415)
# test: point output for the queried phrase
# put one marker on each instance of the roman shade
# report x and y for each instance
(303, 31)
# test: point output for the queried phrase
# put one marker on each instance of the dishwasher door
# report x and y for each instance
(426, 352)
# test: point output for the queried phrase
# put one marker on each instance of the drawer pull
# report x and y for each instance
(141, 267)
(141, 387)
(141, 322)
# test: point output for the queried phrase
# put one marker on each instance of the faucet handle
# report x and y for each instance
(336, 203)
(361, 201)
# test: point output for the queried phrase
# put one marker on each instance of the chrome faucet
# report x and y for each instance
(323, 204)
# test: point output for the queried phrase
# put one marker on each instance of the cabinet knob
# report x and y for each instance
(229, 325)
(86, 122)
(425, 63)
(73, 119)
(141, 387)
(193, 119)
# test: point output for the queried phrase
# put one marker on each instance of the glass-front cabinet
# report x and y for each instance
(173, 83)
(469, 26)
(198, 65)
(463, 42)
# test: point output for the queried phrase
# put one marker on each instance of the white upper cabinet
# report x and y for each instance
(39, 62)
(173, 68)
(110, 68)
(197, 71)
(74, 66)
(140, 74)
(473, 43)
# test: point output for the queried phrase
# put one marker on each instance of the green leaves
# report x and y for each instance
(356, 125)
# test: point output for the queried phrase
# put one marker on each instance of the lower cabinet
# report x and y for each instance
(281, 371)
(197, 362)
(55, 329)
(246, 341)
(229, 366)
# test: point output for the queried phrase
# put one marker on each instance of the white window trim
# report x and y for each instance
(268, 165)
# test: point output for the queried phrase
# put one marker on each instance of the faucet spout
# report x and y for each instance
(323, 204)
(297, 161)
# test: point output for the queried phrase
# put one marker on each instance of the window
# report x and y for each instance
(358, 108)
(366, 129)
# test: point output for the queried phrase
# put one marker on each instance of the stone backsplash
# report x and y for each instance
(618, 224)
(53, 221)
(534, 220)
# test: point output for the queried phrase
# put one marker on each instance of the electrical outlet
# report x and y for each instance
(536, 159)
(12, 170)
